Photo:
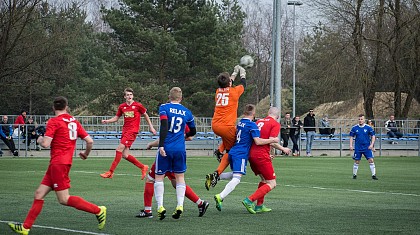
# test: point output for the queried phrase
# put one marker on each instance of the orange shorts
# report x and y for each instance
(262, 165)
(57, 177)
(228, 134)
(128, 139)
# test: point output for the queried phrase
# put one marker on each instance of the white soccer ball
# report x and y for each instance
(246, 61)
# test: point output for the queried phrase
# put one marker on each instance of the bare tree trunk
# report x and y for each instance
(396, 58)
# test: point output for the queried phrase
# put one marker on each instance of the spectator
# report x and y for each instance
(295, 134)
(20, 121)
(392, 128)
(371, 124)
(417, 127)
(325, 128)
(31, 133)
(6, 136)
(286, 124)
(309, 127)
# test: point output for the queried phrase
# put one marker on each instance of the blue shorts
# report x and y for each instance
(175, 161)
(238, 164)
(358, 155)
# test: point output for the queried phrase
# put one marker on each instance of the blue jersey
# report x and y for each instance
(363, 136)
(246, 131)
(178, 116)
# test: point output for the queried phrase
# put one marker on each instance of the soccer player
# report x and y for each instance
(224, 118)
(247, 132)
(62, 133)
(132, 111)
(365, 140)
(149, 188)
(261, 161)
(171, 156)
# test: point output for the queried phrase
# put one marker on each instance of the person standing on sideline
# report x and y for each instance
(309, 127)
(224, 118)
(365, 139)
(171, 156)
(285, 129)
(62, 133)
(261, 162)
(247, 132)
(132, 111)
(371, 124)
(295, 134)
(7, 138)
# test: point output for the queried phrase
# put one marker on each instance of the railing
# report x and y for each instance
(107, 137)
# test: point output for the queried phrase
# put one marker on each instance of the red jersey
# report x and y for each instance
(132, 114)
(268, 128)
(226, 108)
(64, 130)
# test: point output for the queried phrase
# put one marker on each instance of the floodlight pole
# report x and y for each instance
(294, 4)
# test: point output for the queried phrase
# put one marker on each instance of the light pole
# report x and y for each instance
(294, 4)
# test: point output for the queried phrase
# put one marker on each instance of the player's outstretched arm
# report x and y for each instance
(114, 119)
(45, 142)
(281, 148)
(89, 145)
(259, 141)
(151, 128)
(152, 144)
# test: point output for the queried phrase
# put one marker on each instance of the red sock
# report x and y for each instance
(260, 200)
(149, 189)
(190, 194)
(117, 159)
(260, 193)
(83, 205)
(33, 213)
(136, 162)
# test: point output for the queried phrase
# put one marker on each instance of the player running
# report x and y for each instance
(247, 133)
(365, 140)
(261, 162)
(61, 134)
(132, 111)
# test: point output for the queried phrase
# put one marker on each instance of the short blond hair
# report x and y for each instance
(175, 94)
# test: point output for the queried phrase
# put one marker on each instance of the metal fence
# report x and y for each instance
(106, 136)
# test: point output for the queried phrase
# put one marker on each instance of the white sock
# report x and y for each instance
(226, 176)
(159, 189)
(230, 186)
(355, 168)
(372, 168)
(199, 201)
(147, 208)
(180, 194)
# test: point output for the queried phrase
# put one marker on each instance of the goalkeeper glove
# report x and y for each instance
(242, 72)
(235, 71)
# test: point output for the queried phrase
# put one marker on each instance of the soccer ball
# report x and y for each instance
(246, 61)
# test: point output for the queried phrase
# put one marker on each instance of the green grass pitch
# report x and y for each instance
(313, 196)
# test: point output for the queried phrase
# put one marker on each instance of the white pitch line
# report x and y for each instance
(60, 229)
(293, 186)
(355, 190)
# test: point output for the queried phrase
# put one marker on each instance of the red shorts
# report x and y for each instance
(262, 165)
(170, 175)
(128, 139)
(57, 177)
